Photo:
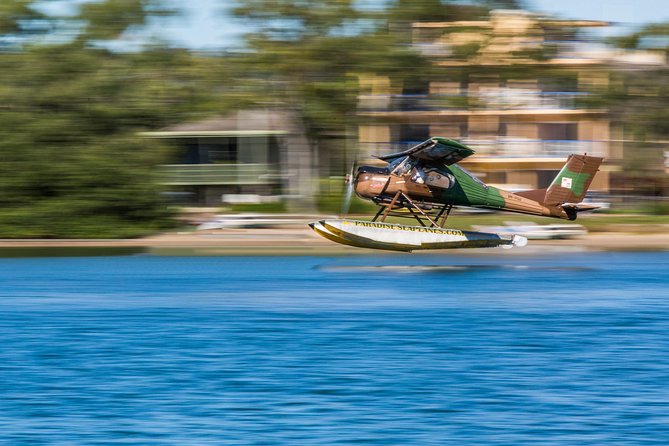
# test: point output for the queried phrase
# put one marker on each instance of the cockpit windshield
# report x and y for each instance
(396, 162)
(402, 166)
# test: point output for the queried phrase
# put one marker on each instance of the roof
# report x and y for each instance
(241, 123)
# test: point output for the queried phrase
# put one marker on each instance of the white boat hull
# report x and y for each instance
(396, 237)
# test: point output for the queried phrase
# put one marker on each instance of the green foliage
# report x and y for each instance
(12, 12)
(108, 20)
(333, 204)
(656, 208)
(632, 41)
(637, 104)
(626, 42)
(293, 20)
(543, 54)
(330, 198)
(306, 55)
(72, 163)
(409, 11)
(466, 51)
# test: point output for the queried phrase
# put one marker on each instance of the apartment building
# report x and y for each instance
(518, 88)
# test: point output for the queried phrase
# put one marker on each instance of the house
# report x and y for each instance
(260, 153)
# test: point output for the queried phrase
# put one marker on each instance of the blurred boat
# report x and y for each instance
(246, 221)
(533, 231)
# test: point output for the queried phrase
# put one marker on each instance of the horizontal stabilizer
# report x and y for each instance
(580, 207)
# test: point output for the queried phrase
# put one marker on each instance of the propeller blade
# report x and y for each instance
(348, 195)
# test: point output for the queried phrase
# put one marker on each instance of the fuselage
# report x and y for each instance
(451, 185)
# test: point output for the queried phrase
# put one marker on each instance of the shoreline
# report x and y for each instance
(302, 242)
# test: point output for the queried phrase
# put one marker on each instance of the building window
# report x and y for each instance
(558, 131)
(414, 133)
(207, 150)
(219, 150)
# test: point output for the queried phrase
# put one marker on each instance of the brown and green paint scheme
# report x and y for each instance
(460, 188)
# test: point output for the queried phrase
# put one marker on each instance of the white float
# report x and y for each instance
(396, 237)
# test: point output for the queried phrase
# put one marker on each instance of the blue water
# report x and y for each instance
(564, 350)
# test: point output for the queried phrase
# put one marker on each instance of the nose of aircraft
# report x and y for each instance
(369, 181)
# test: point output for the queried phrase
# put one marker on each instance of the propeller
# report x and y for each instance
(348, 194)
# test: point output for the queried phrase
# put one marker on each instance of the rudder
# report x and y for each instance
(573, 181)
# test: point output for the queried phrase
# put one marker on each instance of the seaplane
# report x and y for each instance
(425, 182)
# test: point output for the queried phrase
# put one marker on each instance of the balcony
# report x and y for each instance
(504, 147)
(509, 148)
(219, 174)
(519, 99)
(490, 99)
(411, 102)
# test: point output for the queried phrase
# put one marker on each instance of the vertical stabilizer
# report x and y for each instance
(573, 181)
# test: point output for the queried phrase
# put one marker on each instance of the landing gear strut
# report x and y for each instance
(401, 205)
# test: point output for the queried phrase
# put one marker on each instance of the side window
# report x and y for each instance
(418, 175)
(435, 178)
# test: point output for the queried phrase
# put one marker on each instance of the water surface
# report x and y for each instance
(566, 350)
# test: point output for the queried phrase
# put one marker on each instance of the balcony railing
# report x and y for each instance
(411, 102)
(497, 99)
(516, 99)
(536, 148)
(504, 147)
(219, 174)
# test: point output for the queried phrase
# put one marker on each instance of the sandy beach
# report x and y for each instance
(303, 241)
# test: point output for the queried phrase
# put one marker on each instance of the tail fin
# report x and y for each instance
(573, 181)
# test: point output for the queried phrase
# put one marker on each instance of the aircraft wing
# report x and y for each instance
(434, 150)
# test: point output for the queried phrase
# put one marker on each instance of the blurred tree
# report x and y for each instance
(638, 103)
(72, 163)
(20, 23)
(306, 56)
(504, 4)
(411, 11)
(15, 12)
(108, 20)
(654, 36)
